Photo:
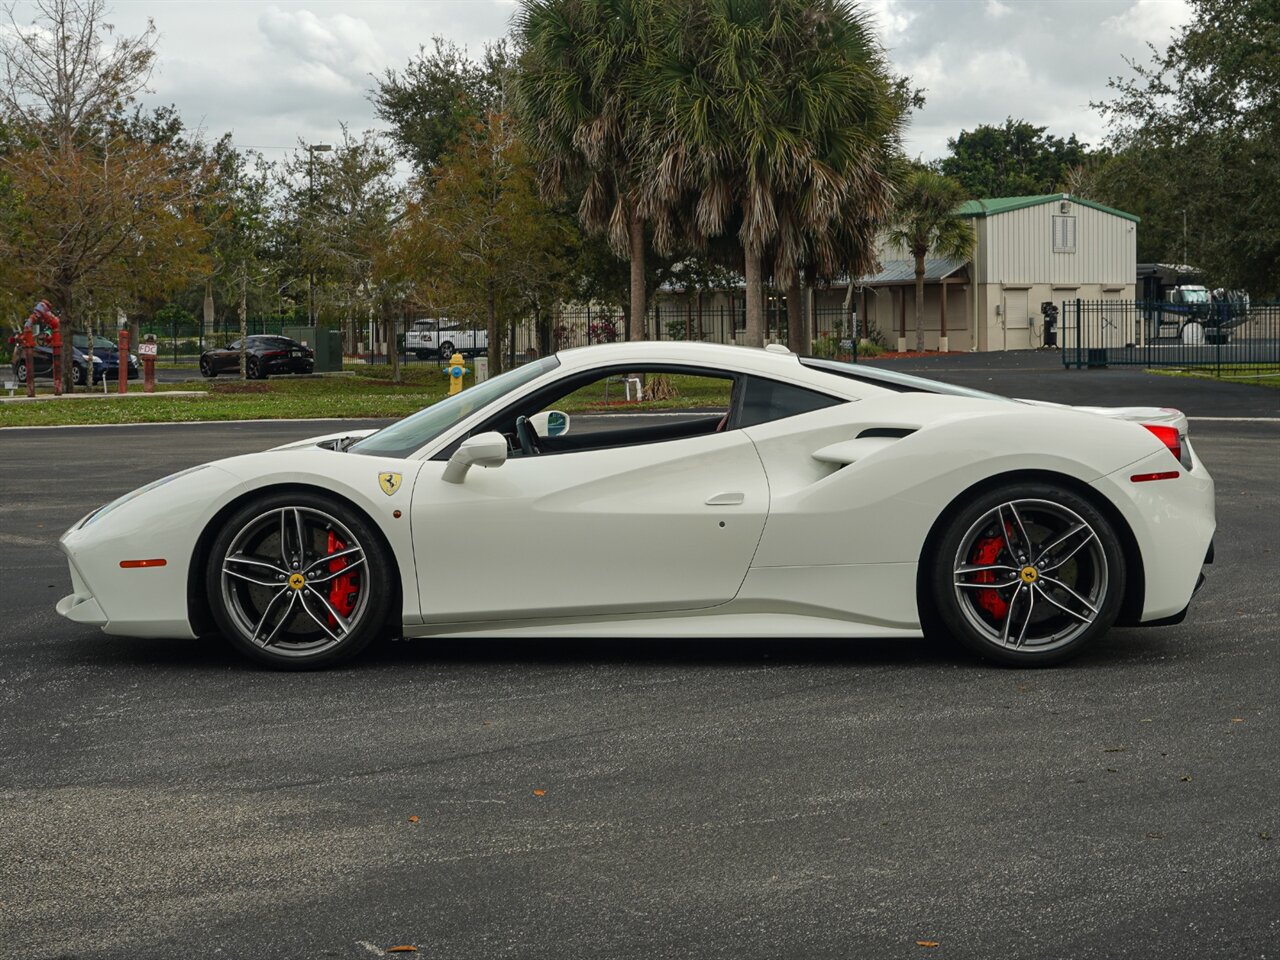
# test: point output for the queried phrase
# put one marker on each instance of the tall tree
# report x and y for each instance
(1199, 123)
(478, 243)
(67, 72)
(1011, 160)
(237, 212)
(439, 98)
(925, 223)
(781, 123)
(342, 205)
(101, 219)
(577, 93)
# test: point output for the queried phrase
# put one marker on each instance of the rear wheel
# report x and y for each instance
(20, 371)
(299, 581)
(253, 369)
(446, 350)
(1028, 575)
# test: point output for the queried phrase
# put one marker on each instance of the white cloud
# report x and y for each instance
(274, 71)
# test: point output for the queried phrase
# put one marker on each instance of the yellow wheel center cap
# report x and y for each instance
(1029, 574)
(297, 580)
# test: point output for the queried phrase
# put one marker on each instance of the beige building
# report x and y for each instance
(1047, 248)
(1028, 251)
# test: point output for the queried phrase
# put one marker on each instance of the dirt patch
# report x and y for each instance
(240, 386)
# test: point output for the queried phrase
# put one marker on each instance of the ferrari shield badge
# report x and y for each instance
(389, 482)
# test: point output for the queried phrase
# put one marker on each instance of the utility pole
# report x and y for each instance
(312, 150)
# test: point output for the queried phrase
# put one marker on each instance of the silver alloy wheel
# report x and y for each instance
(1030, 575)
(276, 574)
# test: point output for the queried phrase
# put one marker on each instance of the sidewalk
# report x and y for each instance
(90, 395)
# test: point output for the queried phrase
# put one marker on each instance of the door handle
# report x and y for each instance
(725, 500)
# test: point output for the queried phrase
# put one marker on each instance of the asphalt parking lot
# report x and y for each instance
(772, 798)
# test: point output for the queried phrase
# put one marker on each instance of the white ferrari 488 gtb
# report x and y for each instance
(670, 489)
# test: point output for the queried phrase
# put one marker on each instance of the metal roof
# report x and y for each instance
(994, 205)
(904, 271)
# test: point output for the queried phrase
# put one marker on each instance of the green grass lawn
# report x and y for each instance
(1257, 376)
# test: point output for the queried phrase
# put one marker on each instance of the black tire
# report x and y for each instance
(422, 354)
(79, 376)
(253, 369)
(207, 368)
(1017, 606)
(20, 372)
(446, 351)
(299, 640)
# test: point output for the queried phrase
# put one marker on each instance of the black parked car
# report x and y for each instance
(106, 360)
(264, 355)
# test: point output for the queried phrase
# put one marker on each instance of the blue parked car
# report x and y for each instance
(106, 360)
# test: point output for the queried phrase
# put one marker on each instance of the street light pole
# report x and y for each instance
(312, 150)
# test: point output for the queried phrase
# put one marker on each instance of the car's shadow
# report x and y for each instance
(1121, 648)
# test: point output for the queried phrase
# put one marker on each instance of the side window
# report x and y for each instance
(768, 400)
(637, 406)
(234, 345)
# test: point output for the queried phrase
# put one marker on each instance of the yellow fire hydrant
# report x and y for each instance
(456, 372)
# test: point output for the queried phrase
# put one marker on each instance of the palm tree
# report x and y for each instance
(778, 119)
(581, 64)
(925, 222)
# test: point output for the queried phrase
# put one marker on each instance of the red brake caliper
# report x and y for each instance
(342, 594)
(985, 552)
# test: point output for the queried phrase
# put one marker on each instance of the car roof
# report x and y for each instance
(777, 363)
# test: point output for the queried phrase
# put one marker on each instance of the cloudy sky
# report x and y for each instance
(274, 72)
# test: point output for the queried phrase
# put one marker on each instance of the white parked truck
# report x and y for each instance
(443, 338)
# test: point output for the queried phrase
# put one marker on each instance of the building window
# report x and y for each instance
(1064, 234)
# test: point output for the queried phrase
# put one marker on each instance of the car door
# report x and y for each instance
(659, 526)
(227, 357)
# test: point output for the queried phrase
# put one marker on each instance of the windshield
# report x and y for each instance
(893, 380)
(1195, 295)
(99, 343)
(412, 433)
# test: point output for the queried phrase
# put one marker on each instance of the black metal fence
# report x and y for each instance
(688, 320)
(1220, 336)
(832, 330)
(183, 340)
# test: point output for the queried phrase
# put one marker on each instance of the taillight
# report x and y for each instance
(1172, 439)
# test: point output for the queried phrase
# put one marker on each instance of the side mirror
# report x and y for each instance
(484, 450)
(550, 423)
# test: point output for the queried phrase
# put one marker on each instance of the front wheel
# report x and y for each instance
(299, 581)
(206, 368)
(1027, 575)
(20, 371)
